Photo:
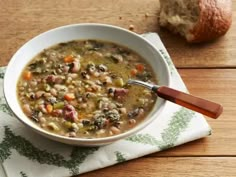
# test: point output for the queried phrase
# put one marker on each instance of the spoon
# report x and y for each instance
(200, 105)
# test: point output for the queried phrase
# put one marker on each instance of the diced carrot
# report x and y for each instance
(27, 75)
(69, 96)
(81, 116)
(134, 72)
(49, 108)
(69, 59)
(140, 67)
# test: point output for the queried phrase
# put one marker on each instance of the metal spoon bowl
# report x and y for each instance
(194, 103)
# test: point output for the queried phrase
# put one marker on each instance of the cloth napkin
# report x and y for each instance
(24, 153)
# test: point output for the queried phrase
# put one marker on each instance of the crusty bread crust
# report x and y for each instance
(214, 21)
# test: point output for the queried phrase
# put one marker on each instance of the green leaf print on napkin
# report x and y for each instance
(178, 124)
(168, 60)
(27, 149)
(4, 108)
(2, 72)
(144, 139)
(23, 174)
(120, 157)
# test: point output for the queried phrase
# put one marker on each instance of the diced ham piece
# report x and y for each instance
(120, 92)
(70, 113)
(58, 80)
(51, 79)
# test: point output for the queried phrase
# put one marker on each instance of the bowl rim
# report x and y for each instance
(113, 138)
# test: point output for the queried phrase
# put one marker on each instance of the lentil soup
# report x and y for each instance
(78, 89)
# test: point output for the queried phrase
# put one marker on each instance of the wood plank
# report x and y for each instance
(22, 20)
(218, 85)
(171, 167)
(218, 53)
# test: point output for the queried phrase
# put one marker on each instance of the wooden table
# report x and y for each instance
(209, 71)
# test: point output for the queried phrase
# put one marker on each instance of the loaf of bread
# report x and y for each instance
(196, 20)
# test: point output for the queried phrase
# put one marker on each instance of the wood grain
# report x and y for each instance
(171, 167)
(212, 156)
(22, 20)
(218, 85)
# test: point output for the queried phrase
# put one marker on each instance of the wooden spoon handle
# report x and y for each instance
(200, 105)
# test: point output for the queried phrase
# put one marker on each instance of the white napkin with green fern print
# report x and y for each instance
(24, 153)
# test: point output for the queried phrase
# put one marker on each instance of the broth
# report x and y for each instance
(78, 89)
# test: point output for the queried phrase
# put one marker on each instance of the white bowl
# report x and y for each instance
(80, 32)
